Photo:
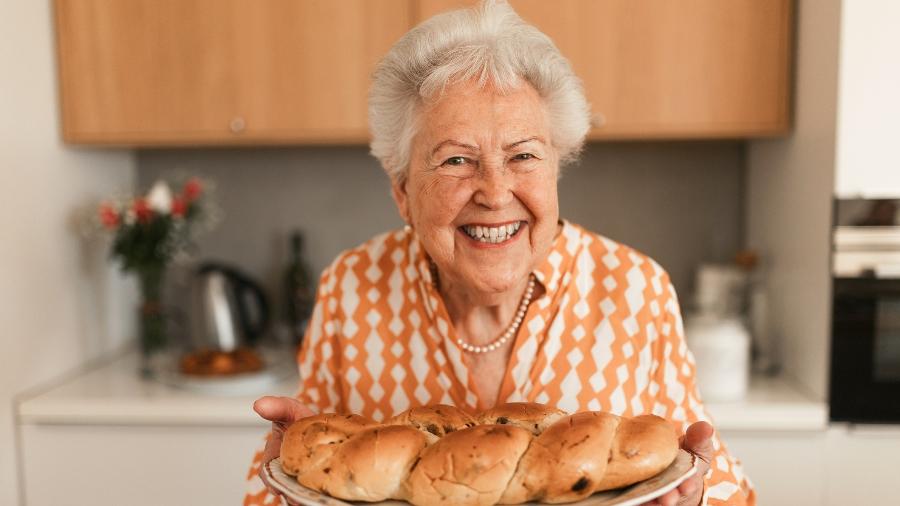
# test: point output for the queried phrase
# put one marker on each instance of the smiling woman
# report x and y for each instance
(487, 296)
(479, 161)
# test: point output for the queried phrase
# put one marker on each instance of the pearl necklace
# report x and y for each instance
(510, 332)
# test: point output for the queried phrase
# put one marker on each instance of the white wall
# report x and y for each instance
(790, 184)
(60, 302)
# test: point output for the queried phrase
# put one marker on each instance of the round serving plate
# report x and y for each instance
(683, 467)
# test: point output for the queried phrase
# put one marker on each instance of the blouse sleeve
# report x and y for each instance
(317, 361)
(678, 400)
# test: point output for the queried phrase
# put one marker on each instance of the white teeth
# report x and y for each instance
(492, 234)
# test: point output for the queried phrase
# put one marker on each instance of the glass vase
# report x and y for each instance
(152, 325)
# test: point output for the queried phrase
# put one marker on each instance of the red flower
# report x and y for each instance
(142, 210)
(179, 207)
(192, 189)
(108, 216)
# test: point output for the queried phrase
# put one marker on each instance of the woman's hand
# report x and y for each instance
(282, 412)
(697, 441)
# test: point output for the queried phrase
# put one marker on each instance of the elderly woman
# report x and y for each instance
(487, 296)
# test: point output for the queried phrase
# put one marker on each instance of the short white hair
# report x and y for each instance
(490, 43)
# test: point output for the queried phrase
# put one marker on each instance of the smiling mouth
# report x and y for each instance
(494, 234)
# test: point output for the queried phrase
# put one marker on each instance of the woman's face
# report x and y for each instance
(481, 187)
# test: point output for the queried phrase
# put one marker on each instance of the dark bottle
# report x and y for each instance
(299, 298)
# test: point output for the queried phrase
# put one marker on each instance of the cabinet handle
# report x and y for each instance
(237, 124)
(598, 120)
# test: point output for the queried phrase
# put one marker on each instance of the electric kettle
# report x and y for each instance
(228, 309)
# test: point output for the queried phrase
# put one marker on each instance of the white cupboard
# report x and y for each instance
(867, 154)
(785, 467)
(139, 465)
(837, 466)
(862, 465)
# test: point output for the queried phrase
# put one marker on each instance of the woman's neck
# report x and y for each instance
(479, 318)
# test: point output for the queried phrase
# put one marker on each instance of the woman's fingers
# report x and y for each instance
(273, 444)
(668, 499)
(690, 486)
(282, 412)
(697, 440)
(285, 410)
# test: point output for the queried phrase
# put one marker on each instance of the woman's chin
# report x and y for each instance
(492, 289)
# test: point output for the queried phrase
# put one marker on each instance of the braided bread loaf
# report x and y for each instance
(510, 454)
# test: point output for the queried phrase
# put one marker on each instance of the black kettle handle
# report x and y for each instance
(253, 330)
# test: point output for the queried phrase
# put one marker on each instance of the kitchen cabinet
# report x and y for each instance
(105, 436)
(785, 467)
(178, 72)
(867, 160)
(687, 69)
(862, 464)
(840, 465)
(206, 72)
(137, 464)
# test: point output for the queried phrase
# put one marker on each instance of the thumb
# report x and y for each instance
(697, 440)
(281, 409)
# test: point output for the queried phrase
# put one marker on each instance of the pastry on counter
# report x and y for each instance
(209, 362)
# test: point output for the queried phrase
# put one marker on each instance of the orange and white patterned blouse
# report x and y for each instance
(605, 335)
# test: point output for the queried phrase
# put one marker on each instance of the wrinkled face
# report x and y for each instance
(481, 187)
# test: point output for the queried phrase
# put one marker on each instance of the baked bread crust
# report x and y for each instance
(509, 454)
(438, 420)
(311, 442)
(470, 466)
(531, 416)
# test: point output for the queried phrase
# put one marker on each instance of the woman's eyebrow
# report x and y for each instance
(523, 141)
(451, 142)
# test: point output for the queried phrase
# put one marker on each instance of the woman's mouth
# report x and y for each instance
(492, 234)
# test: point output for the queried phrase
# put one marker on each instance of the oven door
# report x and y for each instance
(865, 353)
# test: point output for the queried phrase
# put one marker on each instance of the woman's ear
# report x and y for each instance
(401, 198)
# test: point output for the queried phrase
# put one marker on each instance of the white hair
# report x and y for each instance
(490, 43)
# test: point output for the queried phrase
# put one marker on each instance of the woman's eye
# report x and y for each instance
(523, 156)
(456, 161)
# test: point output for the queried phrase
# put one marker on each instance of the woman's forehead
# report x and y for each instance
(471, 114)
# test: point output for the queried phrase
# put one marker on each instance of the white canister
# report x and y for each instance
(721, 348)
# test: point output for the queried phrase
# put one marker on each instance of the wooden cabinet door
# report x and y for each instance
(169, 72)
(304, 67)
(146, 71)
(655, 68)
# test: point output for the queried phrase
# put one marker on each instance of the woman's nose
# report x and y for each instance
(495, 187)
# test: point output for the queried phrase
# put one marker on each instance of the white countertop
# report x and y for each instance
(114, 394)
(772, 404)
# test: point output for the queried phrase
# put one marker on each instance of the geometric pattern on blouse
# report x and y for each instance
(606, 334)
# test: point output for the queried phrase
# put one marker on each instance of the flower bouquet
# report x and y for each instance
(148, 233)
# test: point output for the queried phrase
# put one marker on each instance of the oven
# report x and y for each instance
(865, 351)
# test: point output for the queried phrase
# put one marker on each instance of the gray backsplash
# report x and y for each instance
(681, 203)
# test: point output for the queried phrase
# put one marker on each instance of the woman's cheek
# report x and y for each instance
(539, 196)
(449, 197)
(435, 204)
